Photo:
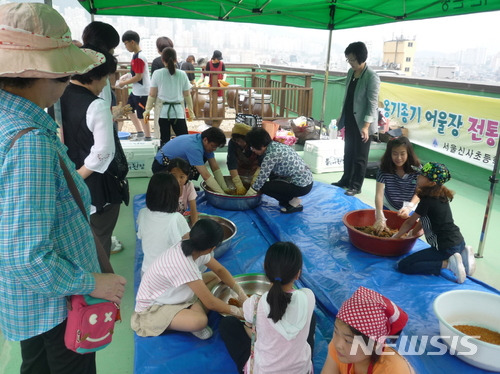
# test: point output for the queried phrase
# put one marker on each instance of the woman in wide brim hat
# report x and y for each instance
(48, 250)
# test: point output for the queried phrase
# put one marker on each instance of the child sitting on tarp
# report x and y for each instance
(447, 246)
(174, 294)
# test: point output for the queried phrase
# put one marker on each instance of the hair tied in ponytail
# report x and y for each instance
(277, 280)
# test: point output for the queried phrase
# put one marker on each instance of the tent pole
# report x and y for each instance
(325, 86)
(491, 197)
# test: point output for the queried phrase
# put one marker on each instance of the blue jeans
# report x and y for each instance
(428, 261)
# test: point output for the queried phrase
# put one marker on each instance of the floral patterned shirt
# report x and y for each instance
(283, 162)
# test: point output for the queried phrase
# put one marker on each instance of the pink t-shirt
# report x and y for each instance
(188, 194)
(165, 280)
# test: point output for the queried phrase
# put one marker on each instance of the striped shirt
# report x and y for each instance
(282, 161)
(165, 280)
(47, 250)
(397, 189)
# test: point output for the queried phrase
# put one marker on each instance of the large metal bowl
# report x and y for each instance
(373, 244)
(229, 228)
(252, 284)
(469, 307)
(232, 202)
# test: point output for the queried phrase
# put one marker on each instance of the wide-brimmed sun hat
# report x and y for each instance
(35, 42)
(435, 172)
(372, 314)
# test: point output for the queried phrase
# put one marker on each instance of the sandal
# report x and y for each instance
(292, 209)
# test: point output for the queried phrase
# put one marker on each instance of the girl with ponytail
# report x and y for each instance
(171, 86)
(284, 320)
(175, 295)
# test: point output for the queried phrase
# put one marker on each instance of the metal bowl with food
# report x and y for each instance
(232, 202)
(475, 309)
(252, 284)
(373, 244)
(229, 228)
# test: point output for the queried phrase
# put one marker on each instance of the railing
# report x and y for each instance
(288, 100)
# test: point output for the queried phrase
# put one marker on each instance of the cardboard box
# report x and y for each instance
(324, 156)
(140, 156)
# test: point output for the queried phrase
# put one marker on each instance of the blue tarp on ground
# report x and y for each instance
(333, 270)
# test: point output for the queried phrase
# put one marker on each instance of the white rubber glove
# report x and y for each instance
(189, 103)
(242, 296)
(240, 189)
(224, 76)
(214, 186)
(255, 176)
(235, 311)
(405, 211)
(251, 192)
(220, 179)
(380, 220)
(206, 81)
(149, 105)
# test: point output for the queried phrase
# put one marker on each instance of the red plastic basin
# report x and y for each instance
(372, 244)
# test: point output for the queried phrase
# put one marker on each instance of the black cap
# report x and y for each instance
(217, 55)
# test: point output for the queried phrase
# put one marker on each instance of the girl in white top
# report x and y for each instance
(181, 169)
(172, 87)
(160, 226)
(285, 320)
(175, 295)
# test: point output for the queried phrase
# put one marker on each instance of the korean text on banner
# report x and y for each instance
(461, 126)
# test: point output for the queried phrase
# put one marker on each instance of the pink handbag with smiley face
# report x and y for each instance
(91, 323)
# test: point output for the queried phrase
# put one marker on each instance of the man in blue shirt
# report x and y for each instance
(196, 149)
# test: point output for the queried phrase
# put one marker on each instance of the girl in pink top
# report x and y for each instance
(285, 320)
(175, 295)
(181, 169)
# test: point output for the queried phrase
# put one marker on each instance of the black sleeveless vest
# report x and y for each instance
(104, 188)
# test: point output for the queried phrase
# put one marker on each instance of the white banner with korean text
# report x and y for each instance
(465, 127)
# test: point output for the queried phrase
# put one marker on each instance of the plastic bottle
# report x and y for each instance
(333, 129)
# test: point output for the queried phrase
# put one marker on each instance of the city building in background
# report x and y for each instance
(399, 54)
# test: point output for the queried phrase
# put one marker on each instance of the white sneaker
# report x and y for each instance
(457, 267)
(116, 245)
(468, 259)
(203, 334)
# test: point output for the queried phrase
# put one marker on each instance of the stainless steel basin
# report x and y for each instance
(232, 202)
(229, 228)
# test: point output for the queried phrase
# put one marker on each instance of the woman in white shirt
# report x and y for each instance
(93, 145)
(172, 87)
(175, 295)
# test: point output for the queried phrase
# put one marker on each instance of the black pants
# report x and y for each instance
(238, 343)
(47, 354)
(284, 191)
(355, 158)
(178, 125)
(103, 223)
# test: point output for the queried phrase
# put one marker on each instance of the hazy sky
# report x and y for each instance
(447, 34)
